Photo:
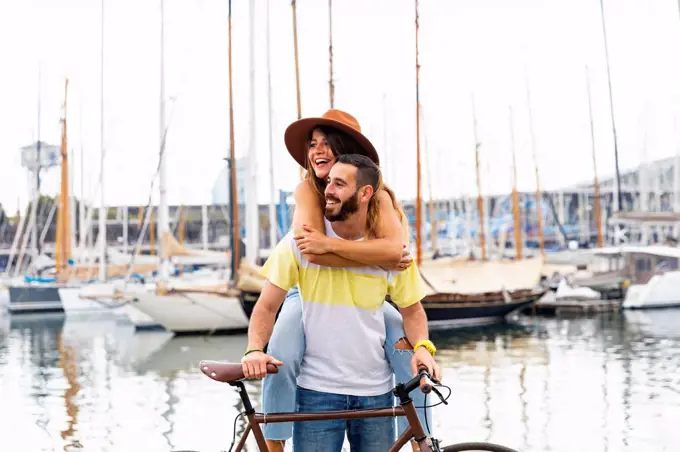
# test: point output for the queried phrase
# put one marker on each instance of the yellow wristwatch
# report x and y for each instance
(429, 346)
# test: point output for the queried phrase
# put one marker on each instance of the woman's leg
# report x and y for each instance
(287, 344)
(399, 353)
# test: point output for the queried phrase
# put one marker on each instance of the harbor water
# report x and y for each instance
(606, 383)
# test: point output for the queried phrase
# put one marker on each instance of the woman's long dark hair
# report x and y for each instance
(340, 144)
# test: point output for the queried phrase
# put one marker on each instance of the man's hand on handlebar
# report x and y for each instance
(423, 358)
(255, 364)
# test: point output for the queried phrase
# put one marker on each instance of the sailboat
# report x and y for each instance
(116, 290)
(209, 304)
(45, 293)
(57, 288)
(189, 305)
(463, 292)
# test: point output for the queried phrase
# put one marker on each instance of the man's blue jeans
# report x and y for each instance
(364, 435)
(287, 344)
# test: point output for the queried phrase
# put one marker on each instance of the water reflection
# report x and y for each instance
(607, 383)
(179, 357)
(31, 389)
(67, 362)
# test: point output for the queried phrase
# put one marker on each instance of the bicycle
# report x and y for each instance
(232, 374)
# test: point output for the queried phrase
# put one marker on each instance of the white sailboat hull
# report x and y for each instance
(140, 319)
(193, 312)
(96, 298)
(662, 291)
(73, 303)
(104, 293)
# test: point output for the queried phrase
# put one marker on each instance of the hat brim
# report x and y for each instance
(297, 135)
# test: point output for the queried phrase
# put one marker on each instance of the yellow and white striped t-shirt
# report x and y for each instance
(342, 317)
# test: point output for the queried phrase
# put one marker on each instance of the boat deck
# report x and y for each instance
(573, 307)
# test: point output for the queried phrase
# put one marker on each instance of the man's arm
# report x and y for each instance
(415, 327)
(262, 320)
(264, 315)
(415, 323)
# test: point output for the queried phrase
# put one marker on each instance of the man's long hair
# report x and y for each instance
(342, 144)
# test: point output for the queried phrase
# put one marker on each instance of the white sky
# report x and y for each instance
(466, 45)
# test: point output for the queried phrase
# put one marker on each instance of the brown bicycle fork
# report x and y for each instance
(406, 408)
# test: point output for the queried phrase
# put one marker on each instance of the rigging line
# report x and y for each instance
(147, 212)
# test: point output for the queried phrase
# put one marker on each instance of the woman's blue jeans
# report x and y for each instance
(287, 344)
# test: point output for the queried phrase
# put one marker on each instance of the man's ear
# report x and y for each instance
(366, 193)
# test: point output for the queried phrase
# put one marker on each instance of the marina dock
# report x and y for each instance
(556, 308)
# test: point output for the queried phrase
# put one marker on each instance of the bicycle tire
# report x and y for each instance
(469, 447)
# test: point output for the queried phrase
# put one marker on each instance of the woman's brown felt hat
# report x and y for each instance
(297, 134)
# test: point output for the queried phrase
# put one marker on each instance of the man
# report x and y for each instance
(344, 365)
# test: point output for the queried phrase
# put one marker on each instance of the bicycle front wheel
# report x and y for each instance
(470, 447)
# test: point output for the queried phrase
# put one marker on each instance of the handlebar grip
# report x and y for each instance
(425, 384)
(425, 381)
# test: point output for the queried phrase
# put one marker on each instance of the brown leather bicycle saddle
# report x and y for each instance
(226, 372)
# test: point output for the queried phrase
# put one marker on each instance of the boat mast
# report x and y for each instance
(516, 217)
(676, 165)
(273, 226)
(539, 204)
(643, 177)
(126, 225)
(252, 214)
(102, 208)
(152, 232)
(204, 226)
(596, 184)
(72, 223)
(181, 228)
(235, 228)
(480, 199)
(418, 197)
(676, 171)
(36, 180)
(63, 245)
(433, 226)
(297, 71)
(386, 166)
(618, 199)
(82, 233)
(163, 211)
(81, 205)
(331, 86)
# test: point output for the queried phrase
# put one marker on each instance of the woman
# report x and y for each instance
(315, 144)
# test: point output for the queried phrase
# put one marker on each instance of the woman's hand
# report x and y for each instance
(404, 263)
(311, 241)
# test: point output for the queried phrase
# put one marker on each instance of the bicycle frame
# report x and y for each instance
(414, 430)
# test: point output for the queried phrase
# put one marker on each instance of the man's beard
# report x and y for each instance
(347, 208)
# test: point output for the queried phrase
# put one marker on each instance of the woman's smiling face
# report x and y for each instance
(320, 154)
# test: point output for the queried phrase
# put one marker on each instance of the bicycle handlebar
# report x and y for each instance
(423, 380)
